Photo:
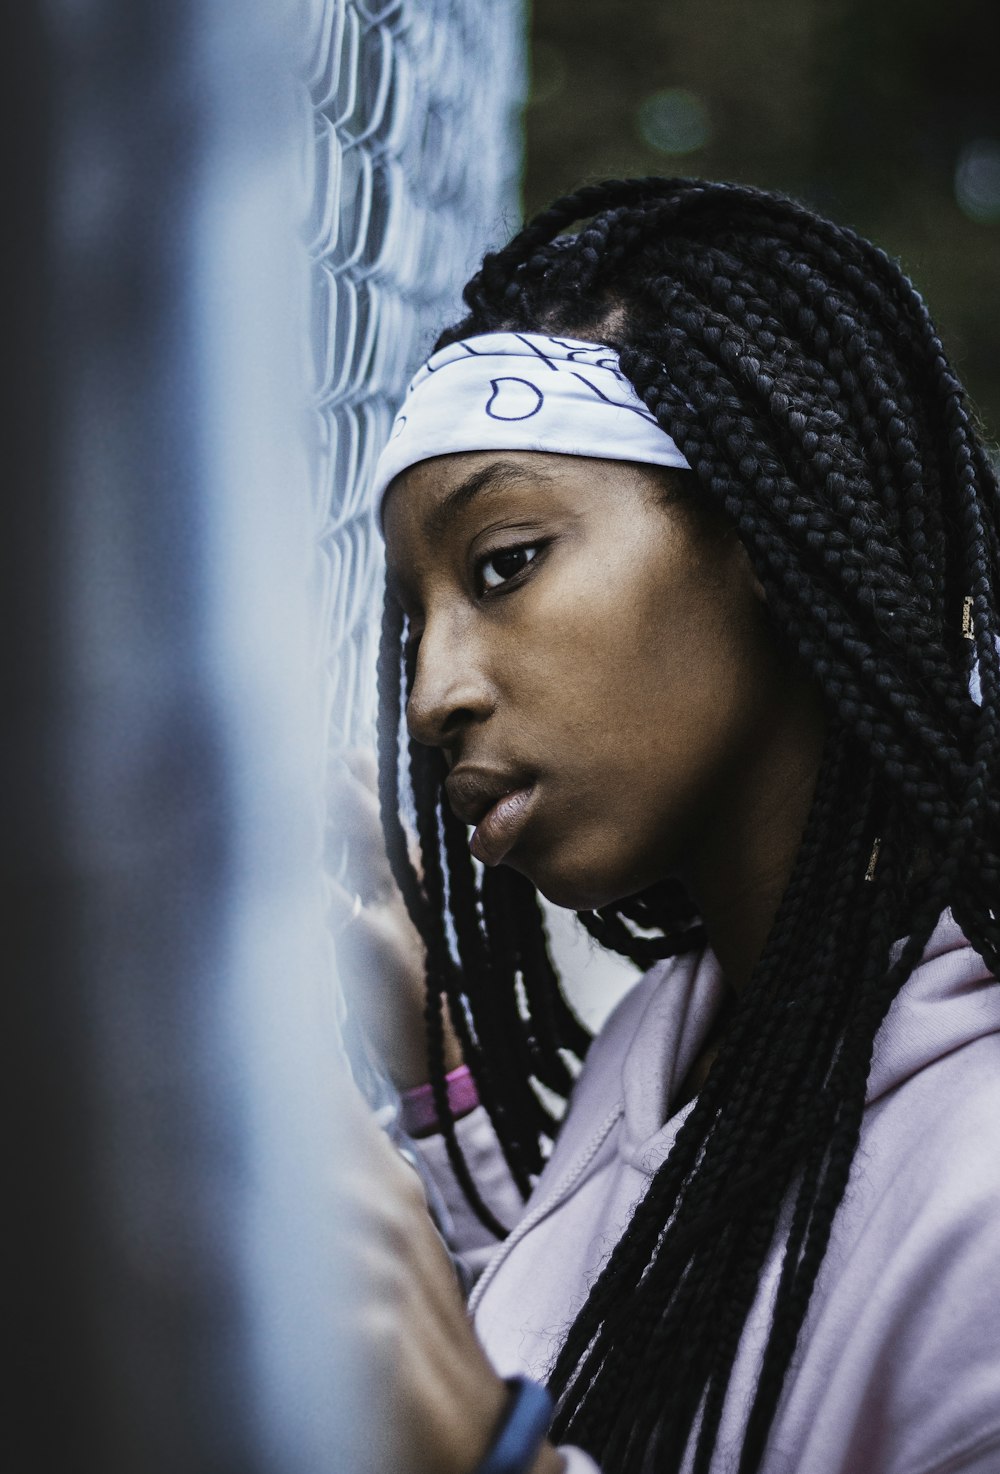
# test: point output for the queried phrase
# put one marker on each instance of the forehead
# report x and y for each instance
(429, 499)
(431, 494)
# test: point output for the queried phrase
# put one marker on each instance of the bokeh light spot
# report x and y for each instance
(977, 181)
(674, 121)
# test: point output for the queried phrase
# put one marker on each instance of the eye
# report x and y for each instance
(500, 567)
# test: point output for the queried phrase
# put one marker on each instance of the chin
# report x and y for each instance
(579, 888)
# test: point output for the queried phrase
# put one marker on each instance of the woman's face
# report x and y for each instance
(593, 659)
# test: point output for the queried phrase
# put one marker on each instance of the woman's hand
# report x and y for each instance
(435, 1401)
(379, 952)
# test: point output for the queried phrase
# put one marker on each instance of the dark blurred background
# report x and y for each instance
(883, 114)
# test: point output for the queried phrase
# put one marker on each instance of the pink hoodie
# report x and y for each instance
(897, 1370)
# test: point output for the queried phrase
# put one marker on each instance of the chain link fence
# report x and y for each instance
(411, 170)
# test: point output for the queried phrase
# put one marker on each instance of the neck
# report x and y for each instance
(747, 850)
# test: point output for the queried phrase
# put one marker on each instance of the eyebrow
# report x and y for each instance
(497, 476)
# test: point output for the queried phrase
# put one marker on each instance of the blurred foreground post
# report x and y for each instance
(167, 1283)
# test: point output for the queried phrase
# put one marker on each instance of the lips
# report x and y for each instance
(496, 802)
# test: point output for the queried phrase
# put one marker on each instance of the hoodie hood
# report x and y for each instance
(950, 999)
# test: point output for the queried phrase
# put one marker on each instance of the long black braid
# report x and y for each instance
(799, 372)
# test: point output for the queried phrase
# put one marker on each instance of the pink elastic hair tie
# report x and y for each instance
(418, 1114)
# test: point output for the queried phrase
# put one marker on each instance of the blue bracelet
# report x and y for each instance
(522, 1432)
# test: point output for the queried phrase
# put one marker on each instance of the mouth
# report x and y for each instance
(497, 804)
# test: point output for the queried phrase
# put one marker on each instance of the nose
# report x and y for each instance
(451, 688)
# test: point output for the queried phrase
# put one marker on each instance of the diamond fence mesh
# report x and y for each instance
(410, 172)
(411, 169)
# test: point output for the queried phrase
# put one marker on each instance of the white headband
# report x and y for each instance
(522, 391)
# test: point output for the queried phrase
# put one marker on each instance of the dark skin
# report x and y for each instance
(577, 622)
(579, 626)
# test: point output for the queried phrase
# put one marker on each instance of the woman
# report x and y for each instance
(693, 559)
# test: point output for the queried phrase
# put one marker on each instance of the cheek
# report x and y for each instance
(665, 691)
(582, 661)
(634, 656)
(602, 619)
(640, 643)
(643, 692)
